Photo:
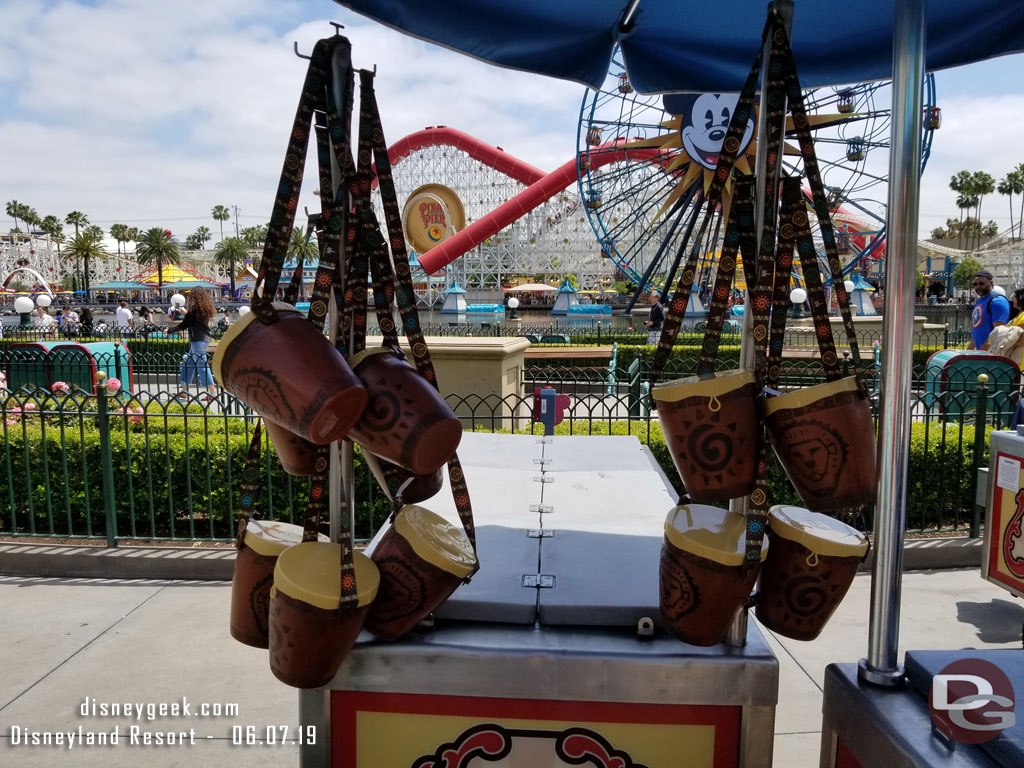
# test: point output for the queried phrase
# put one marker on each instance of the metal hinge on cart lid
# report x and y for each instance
(538, 581)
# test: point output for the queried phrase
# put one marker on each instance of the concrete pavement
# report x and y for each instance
(65, 640)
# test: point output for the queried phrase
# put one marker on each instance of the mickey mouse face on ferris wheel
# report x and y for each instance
(705, 120)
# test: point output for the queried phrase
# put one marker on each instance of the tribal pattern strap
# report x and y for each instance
(250, 485)
(404, 293)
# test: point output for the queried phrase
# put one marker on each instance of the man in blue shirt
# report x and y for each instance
(990, 310)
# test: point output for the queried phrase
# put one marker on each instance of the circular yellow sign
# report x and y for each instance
(431, 215)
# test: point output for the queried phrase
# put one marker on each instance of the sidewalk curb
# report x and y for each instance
(195, 563)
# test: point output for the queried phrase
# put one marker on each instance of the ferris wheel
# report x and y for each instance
(645, 161)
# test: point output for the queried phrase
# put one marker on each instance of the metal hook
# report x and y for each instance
(337, 27)
(295, 47)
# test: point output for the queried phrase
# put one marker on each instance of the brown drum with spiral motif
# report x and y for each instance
(824, 437)
(262, 542)
(310, 636)
(704, 580)
(814, 559)
(421, 487)
(422, 560)
(297, 455)
(712, 431)
(281, 366)
(406, 421)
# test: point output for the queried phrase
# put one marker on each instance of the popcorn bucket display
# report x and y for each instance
(297, 455)
(261, 543)
(824, 437)
(311, 631)
(421, 487)
(406, 421)
(704, 576)
(282, 367)
(422, 560)
(814, 559)
(711, 429)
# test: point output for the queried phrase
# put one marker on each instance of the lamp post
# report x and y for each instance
(513, 305)
(23, 306)
(797, 297)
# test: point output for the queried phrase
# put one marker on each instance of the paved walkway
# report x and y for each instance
(64, 641)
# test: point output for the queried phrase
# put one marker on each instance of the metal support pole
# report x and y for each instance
(980, 417)
(106, 459)
(881, 666)
(737, 635)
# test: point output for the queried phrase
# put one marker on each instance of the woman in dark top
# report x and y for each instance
(199, 311)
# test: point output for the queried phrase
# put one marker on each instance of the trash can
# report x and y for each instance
(951, 383)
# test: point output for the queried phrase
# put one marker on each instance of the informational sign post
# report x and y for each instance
(1003, 558)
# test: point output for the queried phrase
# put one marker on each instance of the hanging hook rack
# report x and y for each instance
(337, 27)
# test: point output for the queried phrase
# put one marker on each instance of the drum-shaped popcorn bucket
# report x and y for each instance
(824, 437)
(422, 560)
(712, 430)
(814, 559)
(280, 365)
(296, 454)
(413, 488)
(705, 577)
(311, 631)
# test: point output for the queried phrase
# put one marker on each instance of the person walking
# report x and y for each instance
(655, 320)
(990, 310)
(199, 311)
(124, 321)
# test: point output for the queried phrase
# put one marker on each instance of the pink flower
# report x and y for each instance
(138, 417)
(113, 385)
(60, 386)
(29, 406)
(11, 422)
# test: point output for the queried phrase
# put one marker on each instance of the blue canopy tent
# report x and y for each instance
(674, 45)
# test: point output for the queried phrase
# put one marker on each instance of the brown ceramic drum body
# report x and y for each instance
(703, 582)
(297, 455)
(421, 488)
(406, 421)
(814, 559)
(262, 543)
(712, 431)
(309, 635)
(824, 437)
(290, 374)
(422, 559)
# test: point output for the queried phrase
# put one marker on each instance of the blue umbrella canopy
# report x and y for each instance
(673, 45)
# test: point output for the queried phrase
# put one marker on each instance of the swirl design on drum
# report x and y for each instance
(806, 595)
(679, 595)
(259, 602)
(709, 448)
(382, 412)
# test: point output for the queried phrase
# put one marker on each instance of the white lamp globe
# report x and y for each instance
(798, 296)
(999, 290)
(178, 300)
(43, 300)
(848, 285)
(243, 311)
(513, 303)
(23, 305)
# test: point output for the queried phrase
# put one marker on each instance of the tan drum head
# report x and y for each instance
(817, 532)
(710, 532)
(272, 537)
(311, 572)
(435, 540)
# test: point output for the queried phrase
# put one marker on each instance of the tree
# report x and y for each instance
(84, 246)
(964, 273)
(120, 233)
(254, 237)
(203, 236)
(297, 246)
(155, 246)
(14, 209)
(961, 184)
(1011, 184)
(51, 225)
(76, 219)
(229, 252)
(221, 213)
(97, 231)
(30, 217)
(981, 184)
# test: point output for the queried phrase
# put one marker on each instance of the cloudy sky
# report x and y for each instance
(150, 113)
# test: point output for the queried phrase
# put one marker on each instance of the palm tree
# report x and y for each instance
(1019, 175)
(30, 217)
(87, 245)
(1011, 184)
(76, 219)
(221, 213)
(299, 247)
(97, 231)
(14, 209)
(230, 251)
(961, 183)
(981, 184)
(155, 246)
(203, 236)
(120, 233)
